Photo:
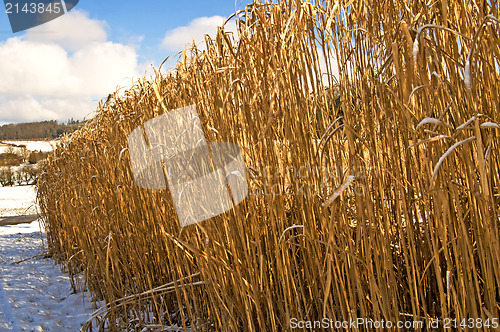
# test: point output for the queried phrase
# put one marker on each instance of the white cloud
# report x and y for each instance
(27, 108)
(178, 38)
(48, 70)
(72, 31)
(33, 68)
(101, 68)
(49, 75)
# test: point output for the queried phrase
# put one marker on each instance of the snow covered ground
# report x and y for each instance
(34, 294)
(43, 146)
(17, 200)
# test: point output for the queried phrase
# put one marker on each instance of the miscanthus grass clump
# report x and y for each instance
(370, 135)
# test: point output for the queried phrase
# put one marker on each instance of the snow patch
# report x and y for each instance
(35, 295)
(17, 200)
(44, 146)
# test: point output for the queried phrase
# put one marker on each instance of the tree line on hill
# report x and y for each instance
(38, 130)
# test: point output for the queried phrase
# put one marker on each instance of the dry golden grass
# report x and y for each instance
(402, 221)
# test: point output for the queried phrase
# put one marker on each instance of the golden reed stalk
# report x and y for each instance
(390, 212)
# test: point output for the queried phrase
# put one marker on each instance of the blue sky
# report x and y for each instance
(60, 70)
(152, 19)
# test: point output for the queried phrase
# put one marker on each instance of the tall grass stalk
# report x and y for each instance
(388, 220)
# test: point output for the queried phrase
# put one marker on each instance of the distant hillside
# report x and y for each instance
(38, 130)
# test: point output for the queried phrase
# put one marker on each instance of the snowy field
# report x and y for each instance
(43, 146)
(17, 200)
(34, 294)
